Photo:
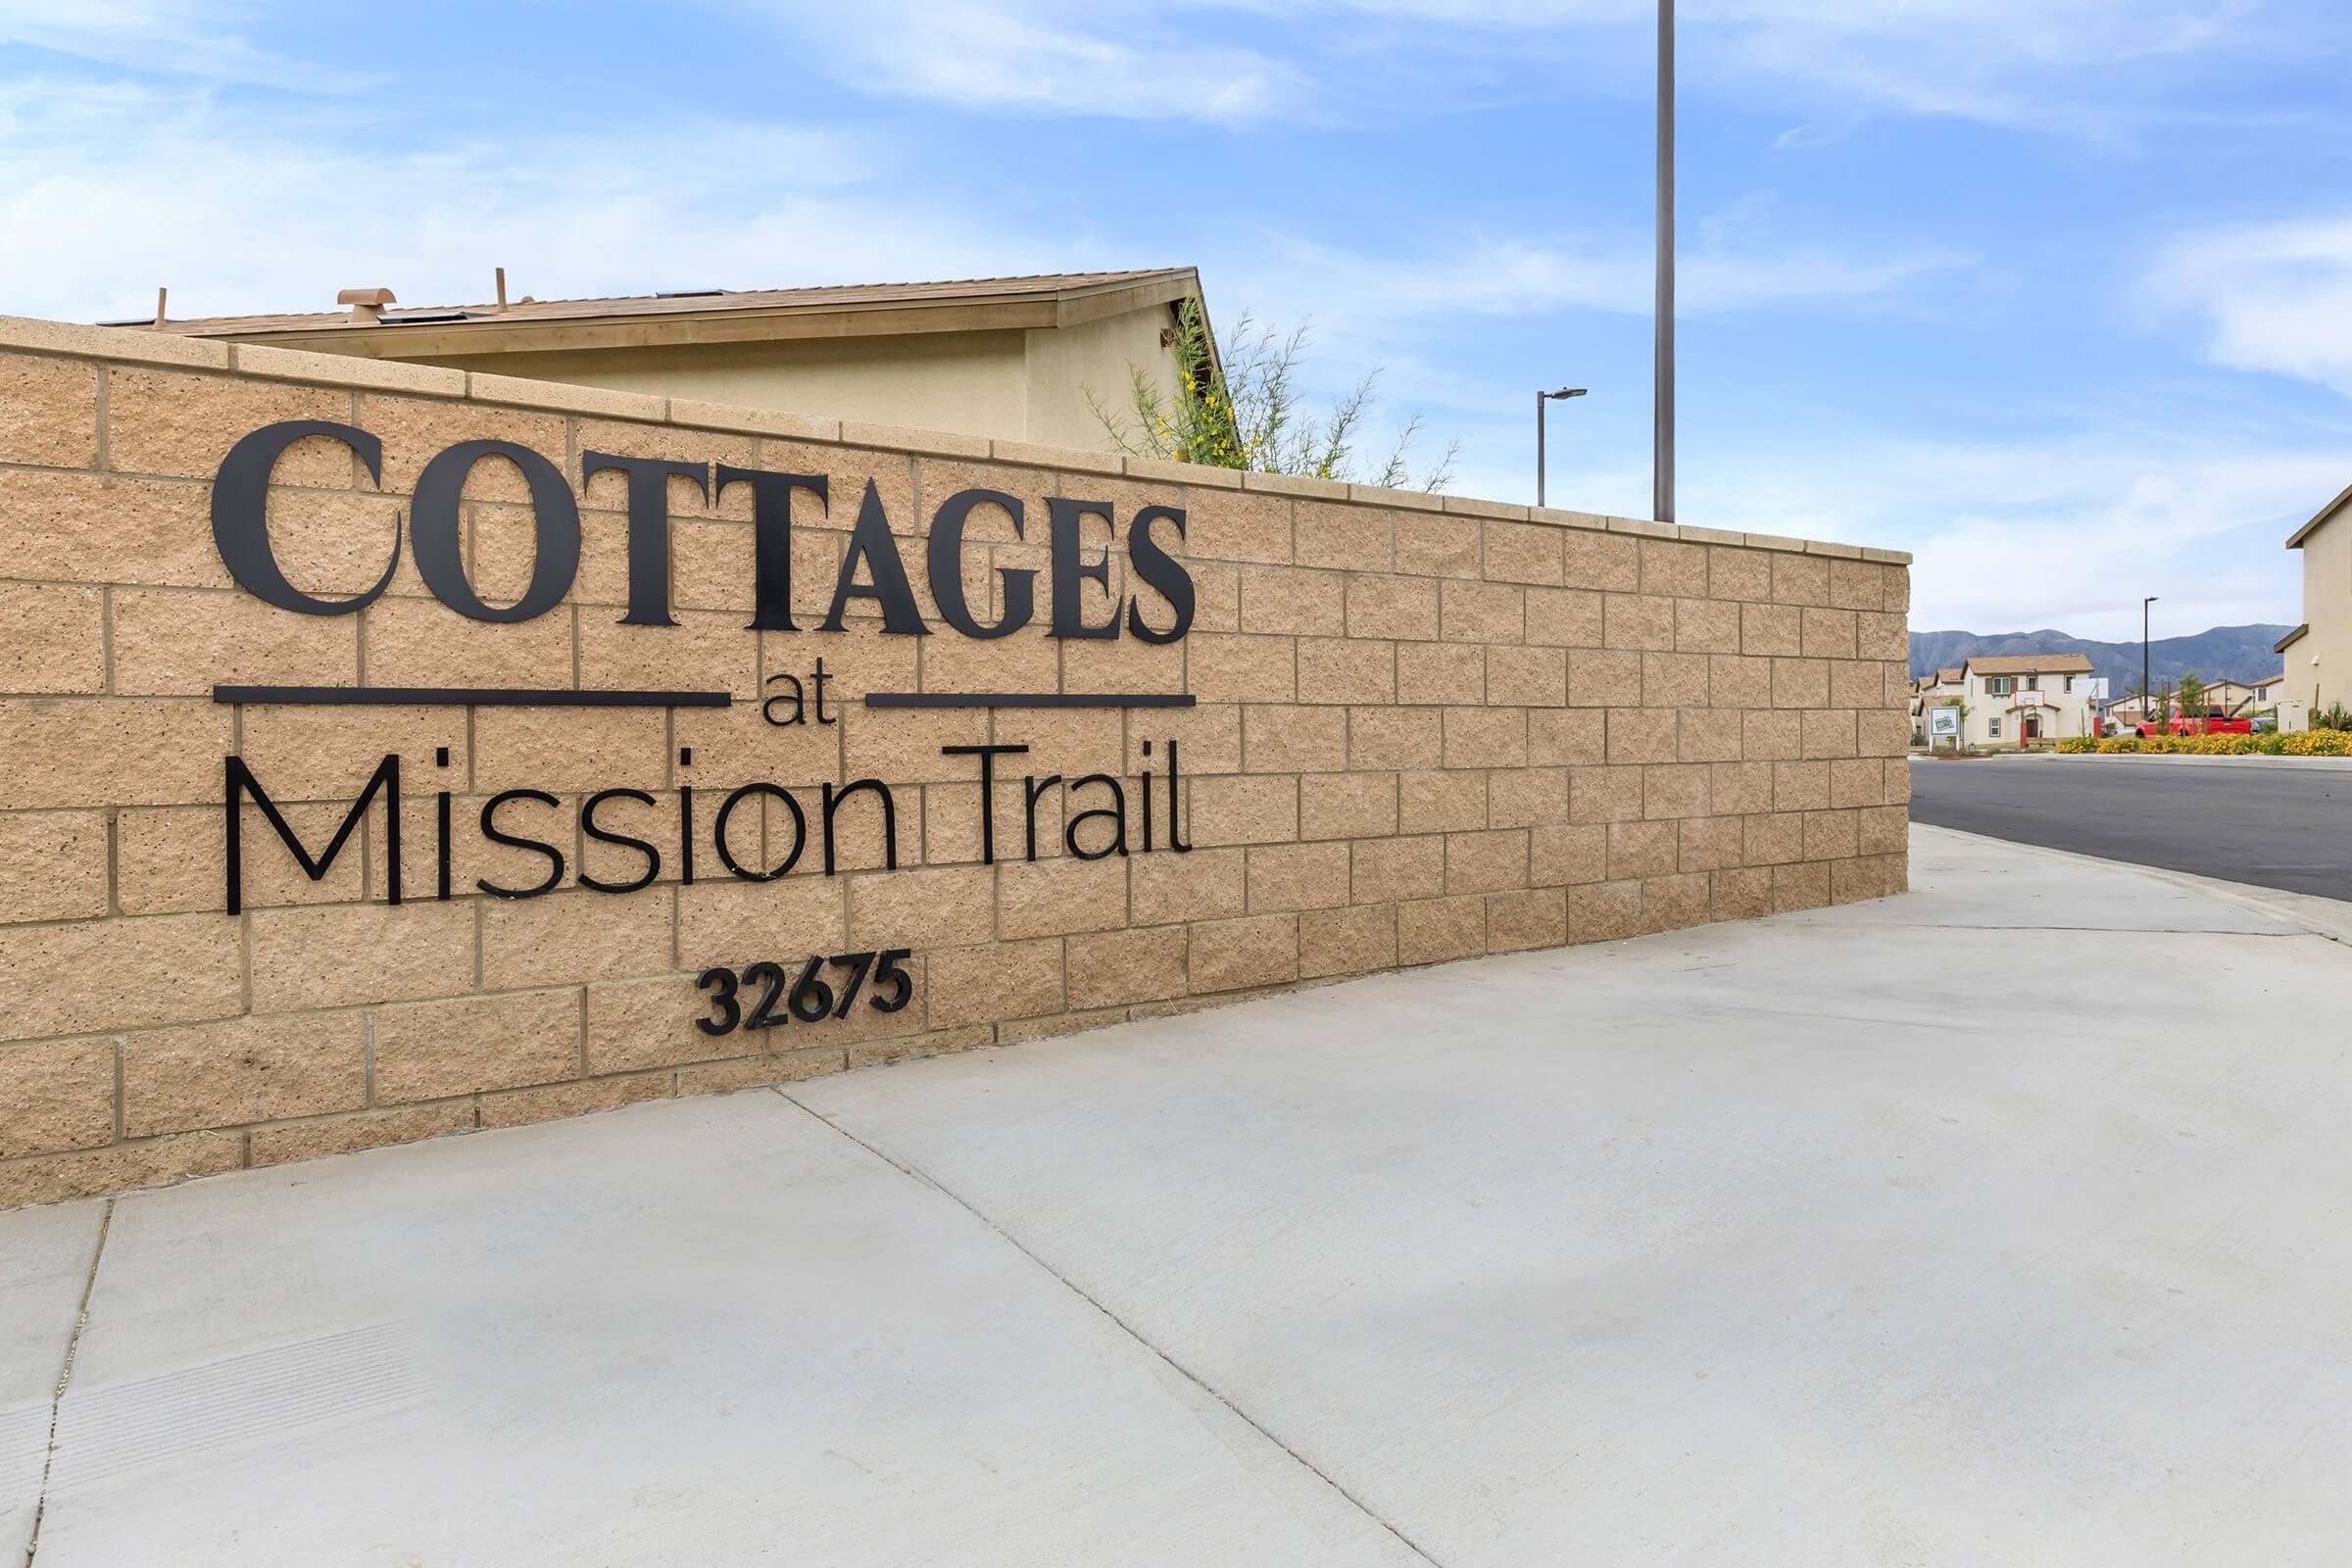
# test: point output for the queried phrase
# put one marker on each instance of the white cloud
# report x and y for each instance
(129, 188)
(127, 185)
(2067, 530)
(2082, 69)
(2067, 533)
(2275, 296)
(198, 38)
(1352, 292)
(1048, 55)
(2085, 69)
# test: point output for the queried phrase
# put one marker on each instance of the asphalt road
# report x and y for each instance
(2277, 828)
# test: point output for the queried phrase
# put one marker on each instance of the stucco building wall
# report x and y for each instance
(1423, 730)
(2327, 612)
(1016, 384)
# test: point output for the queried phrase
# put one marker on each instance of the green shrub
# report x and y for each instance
(1243, 409)
(2301, 743)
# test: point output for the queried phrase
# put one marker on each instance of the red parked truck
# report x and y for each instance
(2205, 721)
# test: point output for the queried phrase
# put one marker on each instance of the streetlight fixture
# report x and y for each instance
(2146, 694)
(1541, 397)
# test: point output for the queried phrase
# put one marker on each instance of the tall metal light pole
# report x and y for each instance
(1662, 415)
(2147, 694)
(1540, 398)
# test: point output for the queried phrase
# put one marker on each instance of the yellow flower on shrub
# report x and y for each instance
(2301, 743)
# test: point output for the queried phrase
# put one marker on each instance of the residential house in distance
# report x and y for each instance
(2319, 651)
(2236, 699)
(1010, 359)
(1933, 690)
(2228, 695)
(2017, 699)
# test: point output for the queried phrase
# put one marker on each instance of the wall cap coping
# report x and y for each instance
(1073, 459)
(32, 334)
(1184, 473)
(37, 336)
(1288, 484)
(514, 391)
(1501, 511)
(1561, 517)
(926, 443)
(736, 420)
(369, 376)
(1382, 496)
(1710, 536)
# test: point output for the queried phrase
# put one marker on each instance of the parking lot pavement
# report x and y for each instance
(2282, 823)
(1893, 1233)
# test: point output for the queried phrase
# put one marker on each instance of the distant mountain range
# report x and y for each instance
(2226, 652)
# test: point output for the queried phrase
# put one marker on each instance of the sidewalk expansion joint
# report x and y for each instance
(1123, 1326)
(64, 1376)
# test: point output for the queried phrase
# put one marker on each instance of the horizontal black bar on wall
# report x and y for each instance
(1028, 700)
(468, 697)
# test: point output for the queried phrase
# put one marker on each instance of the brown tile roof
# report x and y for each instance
(2031, 665)
(1956, 672)
(2282, 645)
(831, 297)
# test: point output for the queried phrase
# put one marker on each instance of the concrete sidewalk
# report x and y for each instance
(2005, 1222)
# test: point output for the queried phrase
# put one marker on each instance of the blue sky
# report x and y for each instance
(2057, 296)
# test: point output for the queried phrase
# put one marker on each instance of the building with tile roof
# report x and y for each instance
(1004, 358)
(2015, 699)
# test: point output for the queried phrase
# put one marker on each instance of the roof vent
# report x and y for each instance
(367, 304)
(161, 296)
(414, 317)
(690, 293)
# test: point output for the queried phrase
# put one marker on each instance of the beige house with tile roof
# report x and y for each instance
(2230, 695)
(2015, 699)
(1008, 358)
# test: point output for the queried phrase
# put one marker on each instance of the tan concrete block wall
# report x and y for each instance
(1426, 729)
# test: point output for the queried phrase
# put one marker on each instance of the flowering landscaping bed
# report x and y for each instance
(2297, 743)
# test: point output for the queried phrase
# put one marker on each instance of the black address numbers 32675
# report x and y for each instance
(809, 997)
